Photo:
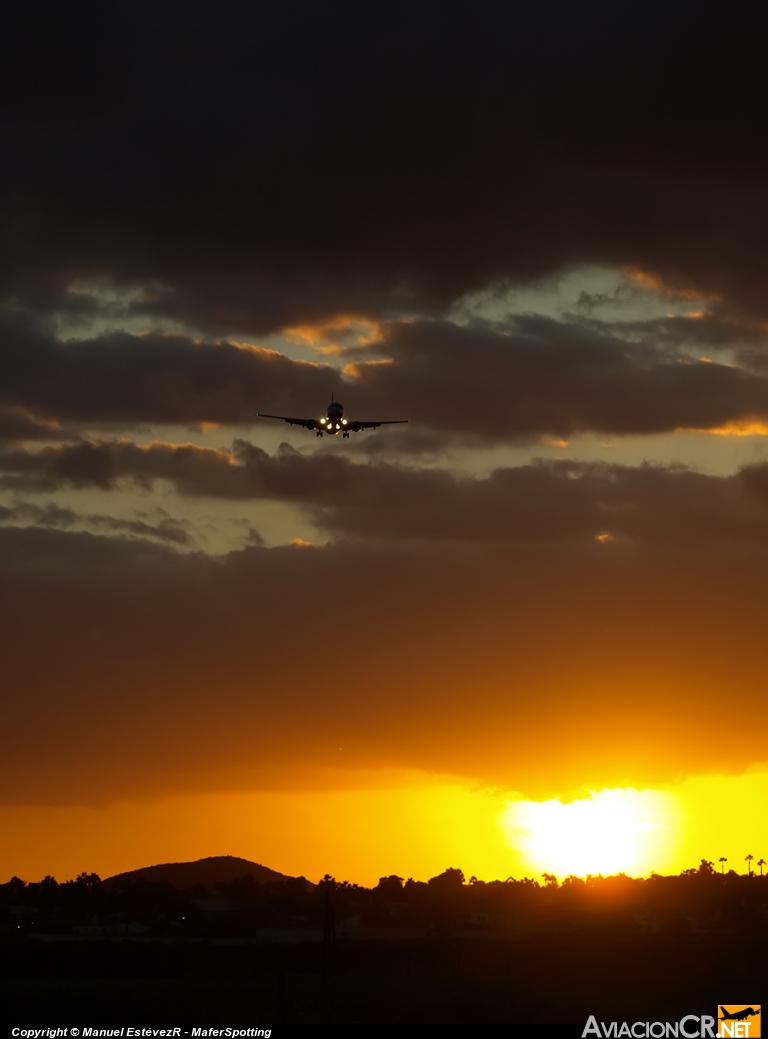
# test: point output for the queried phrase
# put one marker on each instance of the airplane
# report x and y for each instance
(334, 422)
(739, 1015)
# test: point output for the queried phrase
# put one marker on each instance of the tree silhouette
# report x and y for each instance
(761, 863)
(748, 860)
(392, 885)
(449, 880)
(722, 860)
(88, 879)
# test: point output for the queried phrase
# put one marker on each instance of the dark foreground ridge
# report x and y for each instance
(210, 872)
(443, 951)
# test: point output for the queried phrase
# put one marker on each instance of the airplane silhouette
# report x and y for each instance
(739, 1015)
(334, 421)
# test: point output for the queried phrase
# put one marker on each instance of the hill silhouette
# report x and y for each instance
(217, 869)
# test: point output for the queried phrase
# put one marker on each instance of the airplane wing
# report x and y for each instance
(357, 426)
(308, 423)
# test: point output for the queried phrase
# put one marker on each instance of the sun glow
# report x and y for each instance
(627, 831)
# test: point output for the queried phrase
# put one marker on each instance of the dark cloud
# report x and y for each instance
(533, 375)
(755, 479)
(547, 503)
(275, 163)
(193, 470)
(165, 529)
(699, 329)
(150, 378)
(541, 502)
(514, 380)
(18, 426)
(129, 668)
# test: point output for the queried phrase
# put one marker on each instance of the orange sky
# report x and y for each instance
(411, 825)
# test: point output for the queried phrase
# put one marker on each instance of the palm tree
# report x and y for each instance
(722, 860)
(748, 860)
(761, 863)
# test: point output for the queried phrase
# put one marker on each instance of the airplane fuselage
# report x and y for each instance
(334, 421)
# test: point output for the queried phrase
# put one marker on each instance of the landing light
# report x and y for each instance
(343, 422)
(323, 420)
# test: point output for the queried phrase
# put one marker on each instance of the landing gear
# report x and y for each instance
(319, 433)
(346, 435)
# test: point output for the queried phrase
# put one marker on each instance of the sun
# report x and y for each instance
(613, 831)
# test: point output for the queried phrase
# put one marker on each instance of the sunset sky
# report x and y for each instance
(525, 632)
